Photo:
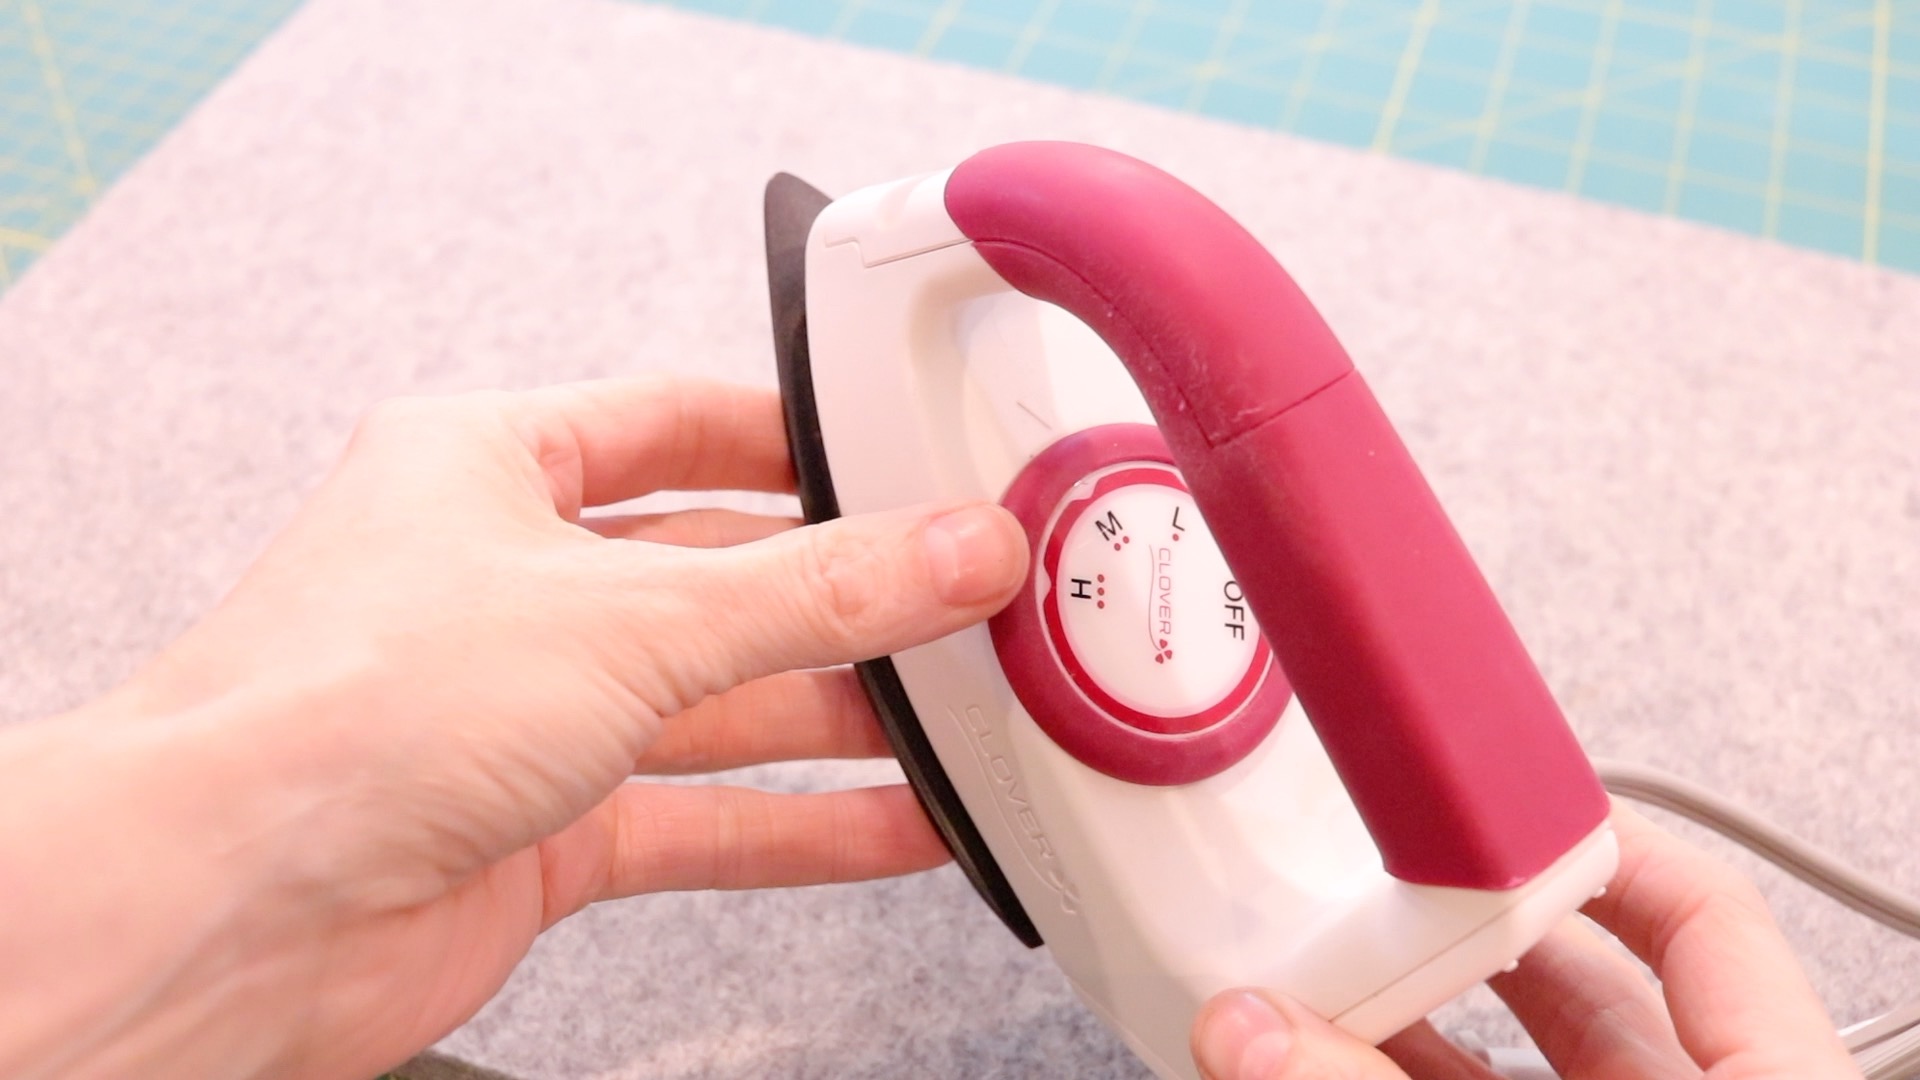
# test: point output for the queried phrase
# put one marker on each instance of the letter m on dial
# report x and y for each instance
(1109, 528)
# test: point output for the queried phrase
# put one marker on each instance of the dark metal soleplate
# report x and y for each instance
(791, 206)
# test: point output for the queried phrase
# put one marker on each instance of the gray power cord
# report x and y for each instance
(1885, 1048)
(1797, 857)
(1888, 1046)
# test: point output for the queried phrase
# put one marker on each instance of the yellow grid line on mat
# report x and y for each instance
(1689, 104)
(1489, 121)
(1782, 122)
(1316, 47)
(1030, 35)
(26, 240)
(1214, 65)
(1123, 48)
(1403, 74)
(1592, 95)
(937, 27)
(57, 90)
(1876, 133)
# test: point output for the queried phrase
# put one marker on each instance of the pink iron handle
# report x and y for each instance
(1441, 728)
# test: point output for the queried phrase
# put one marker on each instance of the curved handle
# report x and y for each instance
(1440, 727)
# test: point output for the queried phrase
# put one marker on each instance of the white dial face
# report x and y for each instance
(1149, 609)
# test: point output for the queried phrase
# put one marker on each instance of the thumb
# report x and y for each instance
(1256, 1035)
(851, 589)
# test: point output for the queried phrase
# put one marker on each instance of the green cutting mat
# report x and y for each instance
(1796, 119)
(87, 86)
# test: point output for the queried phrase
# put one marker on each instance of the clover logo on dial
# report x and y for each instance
(1143, 611)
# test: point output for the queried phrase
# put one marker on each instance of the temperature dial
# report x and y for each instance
(1132, 645)
(1141, 608)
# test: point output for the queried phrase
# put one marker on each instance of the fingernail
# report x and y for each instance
(1245, 1038)
(971, 554)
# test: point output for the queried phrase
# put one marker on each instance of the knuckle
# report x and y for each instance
(1731, 900)
(843, 849)
(407, 412)
(844, 584)
(669, 671)
(1715, 902)
(741, 826)
(707, 742)
(1712, 886)
(413, 418)
(487, 402)
(394, 414)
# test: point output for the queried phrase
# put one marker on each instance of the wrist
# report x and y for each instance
(131, 854)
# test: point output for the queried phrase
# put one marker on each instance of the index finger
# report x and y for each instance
(609, 440)
(1733, 986)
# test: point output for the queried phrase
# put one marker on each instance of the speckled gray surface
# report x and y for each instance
(1689, 460)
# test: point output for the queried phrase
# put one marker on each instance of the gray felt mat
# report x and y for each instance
(1689, 460)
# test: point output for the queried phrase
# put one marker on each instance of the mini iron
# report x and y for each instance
(1256, 718)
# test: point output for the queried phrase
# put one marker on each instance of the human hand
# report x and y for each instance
(350, 798)
(1736, 1004)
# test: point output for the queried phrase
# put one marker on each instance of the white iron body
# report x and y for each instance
(933, 379)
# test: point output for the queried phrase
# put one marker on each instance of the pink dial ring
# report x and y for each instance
(1058, 688)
